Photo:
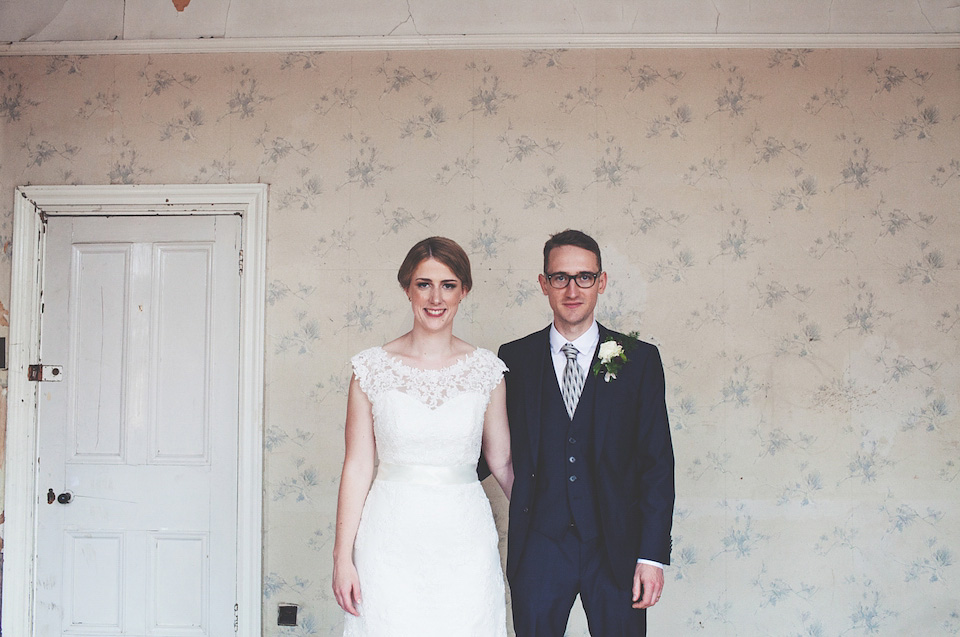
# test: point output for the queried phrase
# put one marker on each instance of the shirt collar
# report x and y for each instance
(585, 344)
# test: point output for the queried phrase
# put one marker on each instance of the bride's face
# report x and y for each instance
(435, 293)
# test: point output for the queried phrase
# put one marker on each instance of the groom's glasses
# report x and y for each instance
(561, 280)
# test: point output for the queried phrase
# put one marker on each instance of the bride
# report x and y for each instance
(416, 548)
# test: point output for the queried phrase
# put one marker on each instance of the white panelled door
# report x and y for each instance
(137, 524)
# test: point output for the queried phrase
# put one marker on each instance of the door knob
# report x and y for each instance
(63, 498)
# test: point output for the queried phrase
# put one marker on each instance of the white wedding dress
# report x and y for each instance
(426, 549)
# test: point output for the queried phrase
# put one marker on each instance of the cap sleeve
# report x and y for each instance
(493, 370)
(364, 367)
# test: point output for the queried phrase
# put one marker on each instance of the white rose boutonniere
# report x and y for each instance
(612, 355)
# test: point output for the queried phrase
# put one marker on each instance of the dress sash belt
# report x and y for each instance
(427, 474)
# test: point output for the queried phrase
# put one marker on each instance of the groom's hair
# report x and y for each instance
(446, 251)
(570, 238)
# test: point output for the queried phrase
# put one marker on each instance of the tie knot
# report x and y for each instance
(570, 351)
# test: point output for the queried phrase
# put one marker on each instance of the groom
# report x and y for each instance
(592, 502)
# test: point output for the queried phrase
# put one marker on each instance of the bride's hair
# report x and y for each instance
(446, 251)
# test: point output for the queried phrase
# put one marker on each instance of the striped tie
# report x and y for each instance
(572, 379)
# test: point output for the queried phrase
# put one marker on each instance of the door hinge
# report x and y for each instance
(236, 618)
(241, 262)
(45, 373)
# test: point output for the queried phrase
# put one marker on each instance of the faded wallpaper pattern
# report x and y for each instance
(783, 224)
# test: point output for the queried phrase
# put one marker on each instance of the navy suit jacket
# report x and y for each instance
(632, 452)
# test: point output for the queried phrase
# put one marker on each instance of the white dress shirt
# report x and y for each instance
(586, 345)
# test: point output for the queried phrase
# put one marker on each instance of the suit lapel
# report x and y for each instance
(539, 358)
(601, 401)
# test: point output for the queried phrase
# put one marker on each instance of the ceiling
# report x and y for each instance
(105, 25)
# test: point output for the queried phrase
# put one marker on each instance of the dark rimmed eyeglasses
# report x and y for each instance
(561, 280)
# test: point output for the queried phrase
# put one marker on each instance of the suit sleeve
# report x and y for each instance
(656, 489)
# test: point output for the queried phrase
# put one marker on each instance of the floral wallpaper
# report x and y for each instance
(783, 224)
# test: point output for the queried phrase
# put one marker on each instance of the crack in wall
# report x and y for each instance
(923, 13)
(47, 23)
(576, 11)
(409, 19)
(226, 17)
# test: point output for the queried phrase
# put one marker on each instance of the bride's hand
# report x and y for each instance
(346, 587)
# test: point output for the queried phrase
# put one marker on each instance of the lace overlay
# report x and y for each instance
(379, 372)
(427, 553)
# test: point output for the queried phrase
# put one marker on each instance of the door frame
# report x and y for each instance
(32, 205)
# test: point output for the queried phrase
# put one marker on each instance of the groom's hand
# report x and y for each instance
(647, 585)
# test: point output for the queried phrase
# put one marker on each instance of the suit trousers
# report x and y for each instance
(550, 575)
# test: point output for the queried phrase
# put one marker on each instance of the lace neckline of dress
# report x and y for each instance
(398, 362)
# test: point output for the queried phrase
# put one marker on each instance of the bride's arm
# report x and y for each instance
(354, 484)
(496, 439)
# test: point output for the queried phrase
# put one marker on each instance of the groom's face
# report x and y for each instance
(572, 306)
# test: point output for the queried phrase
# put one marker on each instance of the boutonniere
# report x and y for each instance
(612, 355)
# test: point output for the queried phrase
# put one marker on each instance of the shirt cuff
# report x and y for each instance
(650, 562)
